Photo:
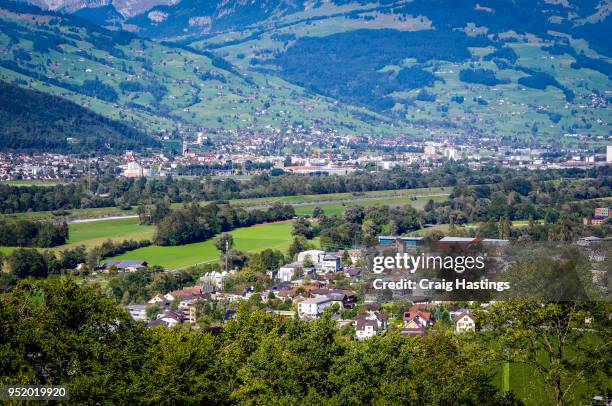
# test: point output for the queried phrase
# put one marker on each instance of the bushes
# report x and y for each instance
(111, 249)
(25, 262)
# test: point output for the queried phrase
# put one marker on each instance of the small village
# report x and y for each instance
(339, 283)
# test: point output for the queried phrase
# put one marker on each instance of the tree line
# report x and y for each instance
(27, 233)
(34, 121)
(124, 192)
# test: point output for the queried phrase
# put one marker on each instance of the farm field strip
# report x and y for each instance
(102, 212)
(249, 239)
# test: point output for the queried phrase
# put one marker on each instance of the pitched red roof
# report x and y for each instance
(412, 313)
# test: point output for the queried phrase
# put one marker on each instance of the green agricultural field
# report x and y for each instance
(338, 208)
(93, 233)
(120, 229)
(528, 385)
(7, 250)
(314, 198)
(249, 239)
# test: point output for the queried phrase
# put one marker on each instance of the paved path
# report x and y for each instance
(129, 216)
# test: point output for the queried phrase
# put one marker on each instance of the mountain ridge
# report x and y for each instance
(418, 68)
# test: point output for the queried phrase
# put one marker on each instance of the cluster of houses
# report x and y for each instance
(600, 216)
(420, 319)
(177, 307)
(311, 262)
(308, 282)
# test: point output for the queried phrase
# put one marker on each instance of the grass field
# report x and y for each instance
(338, 208)
(120, 229)
(399, 193)
(249, 239)
(528, 385)
(95, 233)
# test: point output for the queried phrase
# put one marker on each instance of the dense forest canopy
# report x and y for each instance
(34, 121)
(57, 332)
(324, 64)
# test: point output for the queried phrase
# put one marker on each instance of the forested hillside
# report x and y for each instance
(34, 121)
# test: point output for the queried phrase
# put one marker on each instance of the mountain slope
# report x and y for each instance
(155, 87)
(531, 70)
(524, 69)
(35, 121)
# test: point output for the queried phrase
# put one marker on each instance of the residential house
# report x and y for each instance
(169, 318)
(288, 272)
(600, 216)
(464, 322)
(158, 322)
(125, 266)
(138, 312)
(187, 306)
(215, 278)
(355, 256)
(313, 307)
(603, 212)
(345, 298)
(184, 293)
(159, 300)
(372, 307)
(414, 332)
(354, 273)
(330, 262)
(417, 317)
(368, 325)
(313, 255)
(459, 243)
